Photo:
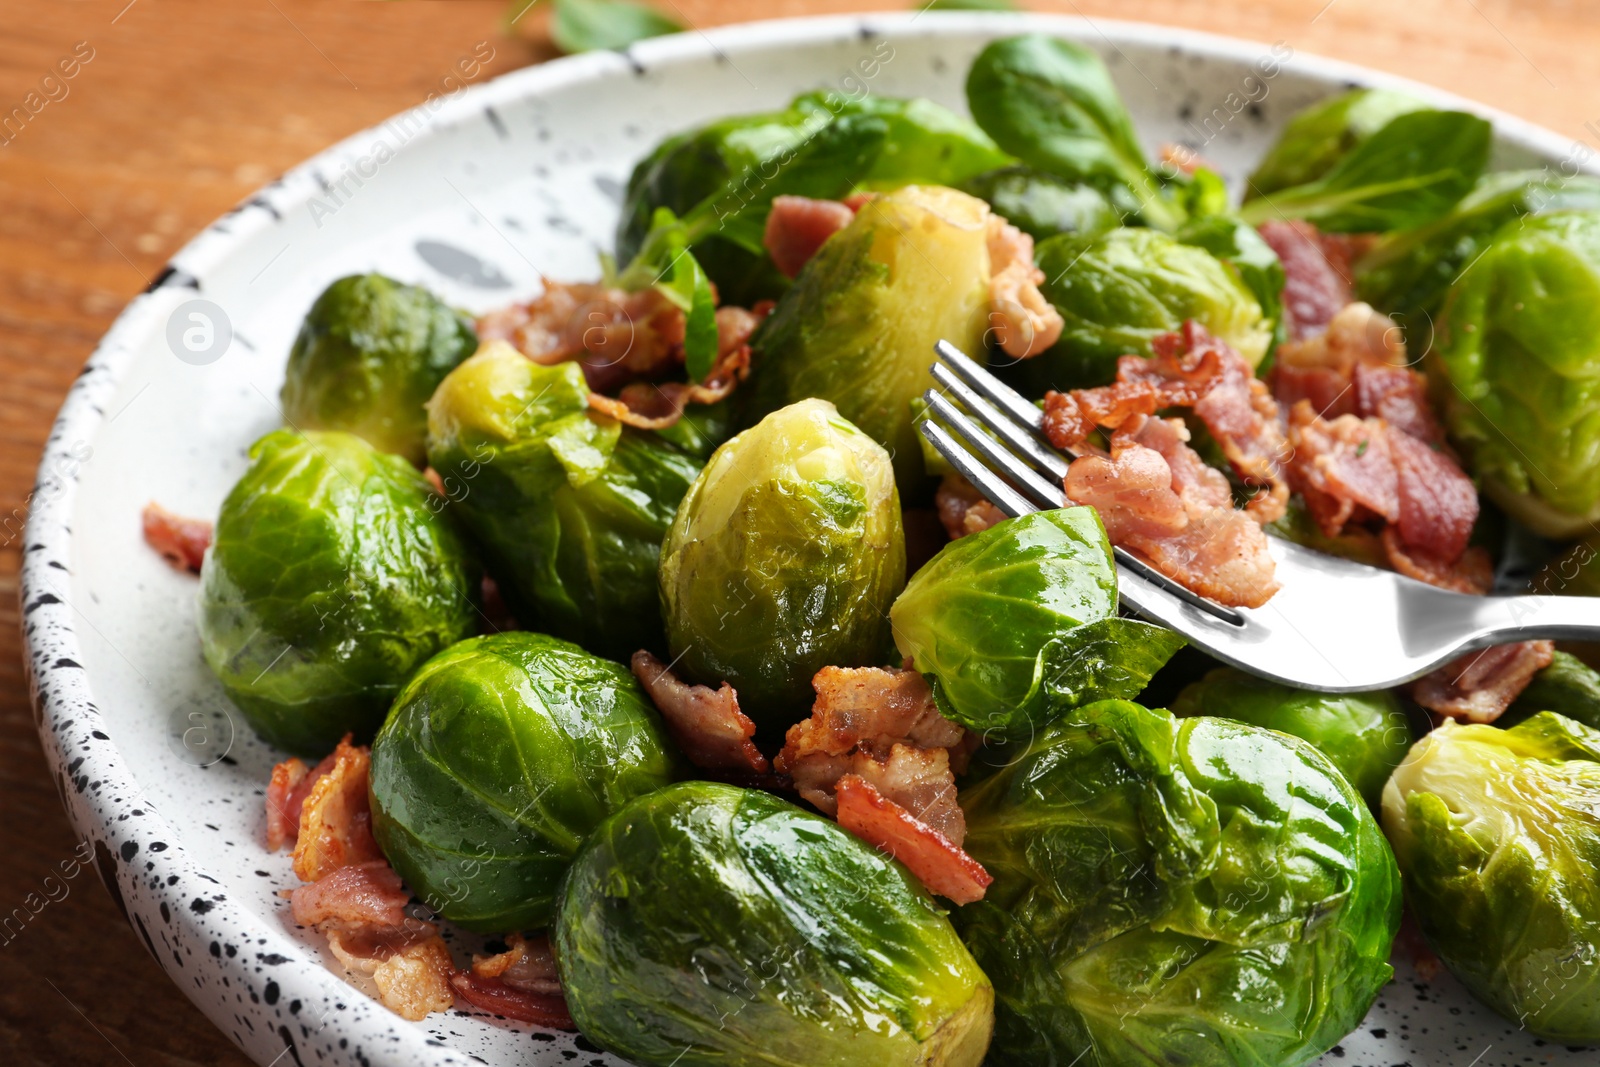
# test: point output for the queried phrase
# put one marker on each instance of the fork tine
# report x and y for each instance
(1003, 396)
(1043, 493)
(971, 467)
(1020, 440)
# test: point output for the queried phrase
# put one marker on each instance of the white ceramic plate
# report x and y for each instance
(475, 198)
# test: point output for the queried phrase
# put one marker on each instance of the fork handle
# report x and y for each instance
(1501, 620)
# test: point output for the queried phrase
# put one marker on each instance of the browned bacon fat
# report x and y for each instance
(962, 509)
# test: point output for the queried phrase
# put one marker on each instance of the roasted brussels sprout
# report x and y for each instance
(923, 143)
(1518, 344)
(1497, 834)
(1018, 624)
(1409, 274)
(859, 324)
(1366, 735)
(1044, 205)
(330, 579)
(1119, 290)
(1569, 687)
(369, 354)
(568, 506)
(707, 925)
(1324, 133)
(1169, 891)
(499, 758)
(782, 560)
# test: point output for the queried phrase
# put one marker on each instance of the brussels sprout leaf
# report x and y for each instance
(1052, 104)
(591, 25)
(1238, 244)
(1412, 171)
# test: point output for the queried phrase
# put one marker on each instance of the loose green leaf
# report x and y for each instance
(1043, 205)
(1237, 244)
(1315, 139)
(1412, 171)
(591, 25)
(700, 326)
(1052, 104)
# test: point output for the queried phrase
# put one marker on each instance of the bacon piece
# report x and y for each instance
(336, 818)
(1070, 418)
(362, 893)
(930, 856)
(616, 336)
(1158, 498)
(410, 965)
(182, 542)
(497, 998)
(1313, 289)
(884, 726)
(519, 983)
(1322, 368)
(1024, 322)
(1181, 159)
(1480, 686)
(286, 795)
(1397, 395)
(962, 509)
(1438, 503)
(1344, 468)
(1473, 572)
(652, 406)
(797, 226)
(706, 723)
(1235, 405)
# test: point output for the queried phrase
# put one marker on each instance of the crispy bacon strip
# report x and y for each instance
(409, 964)
(182, 542)
(962, 509)
(798, 225)
(520, 983)
(652, 406)
(497, 998)
(1314, 288)
(361, 893)
(1024, 322)
(336, 818)
(1189, 369)
(1438, 502)
(1472, 573)
(1480, 686)
(286, 795)
(881, 725)
(1343, 468)
(934, 859)
(1158, 498)
(706, 723)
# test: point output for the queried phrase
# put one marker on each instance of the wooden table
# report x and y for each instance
(179, 108)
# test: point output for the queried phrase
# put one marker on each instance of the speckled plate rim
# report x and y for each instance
(131, 855)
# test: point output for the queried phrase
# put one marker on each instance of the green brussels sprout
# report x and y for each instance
(1410, 272)
(500, 757)
(1120, 290)
(568, 506)
(1044, 205)
(1366, 735)
(331, 577)
(1319, 136)
(705, 925)
(1497, 836)
(1196, 891)
(1018, 624)
(1518, 347)
(859, 324)
(1569, 687)
(782, 560)
(924, 143)
(368, 355)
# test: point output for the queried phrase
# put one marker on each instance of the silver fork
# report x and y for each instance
(1335, 625)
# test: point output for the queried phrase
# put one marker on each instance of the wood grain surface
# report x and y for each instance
(182, 107)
